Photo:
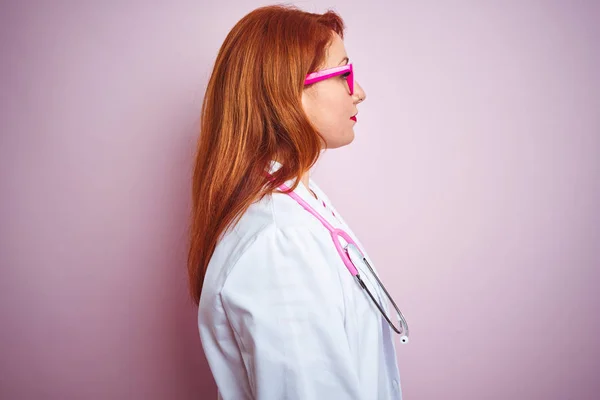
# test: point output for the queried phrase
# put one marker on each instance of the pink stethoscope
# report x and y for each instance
(351, 256)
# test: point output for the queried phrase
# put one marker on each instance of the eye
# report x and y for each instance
(346, 74)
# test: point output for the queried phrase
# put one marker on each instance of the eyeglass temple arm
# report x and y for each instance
(321, 75)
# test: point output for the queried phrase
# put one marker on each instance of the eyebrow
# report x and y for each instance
(344, 59)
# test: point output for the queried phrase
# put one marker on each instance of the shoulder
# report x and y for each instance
(276, 250)
(277, 233)
(292, 262)
(276, 209)
(273, 233)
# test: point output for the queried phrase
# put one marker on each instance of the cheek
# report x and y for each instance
(329, 113)
(333, 111)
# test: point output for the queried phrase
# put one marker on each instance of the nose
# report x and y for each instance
(359, 94)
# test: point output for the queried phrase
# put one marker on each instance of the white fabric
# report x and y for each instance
(280, 316)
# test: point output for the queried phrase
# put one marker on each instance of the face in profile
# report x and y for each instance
(329, 104)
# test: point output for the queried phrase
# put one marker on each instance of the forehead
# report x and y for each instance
(336, 51)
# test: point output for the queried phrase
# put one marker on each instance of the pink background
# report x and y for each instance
(474, 181)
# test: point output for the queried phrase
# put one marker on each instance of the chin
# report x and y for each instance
(349, 139)
(340, 140)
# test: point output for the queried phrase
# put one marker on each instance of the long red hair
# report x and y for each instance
(252, 113)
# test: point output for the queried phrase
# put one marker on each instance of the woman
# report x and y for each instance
(280, 316)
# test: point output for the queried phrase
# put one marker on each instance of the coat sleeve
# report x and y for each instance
(284, 302)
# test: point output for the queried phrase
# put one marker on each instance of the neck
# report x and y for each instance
(304, 181)
(305, 178)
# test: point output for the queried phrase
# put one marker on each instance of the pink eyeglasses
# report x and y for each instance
(345, 70)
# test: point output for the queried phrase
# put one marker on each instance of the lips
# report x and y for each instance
(353, 118)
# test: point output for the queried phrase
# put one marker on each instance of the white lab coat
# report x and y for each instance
(280, 316)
